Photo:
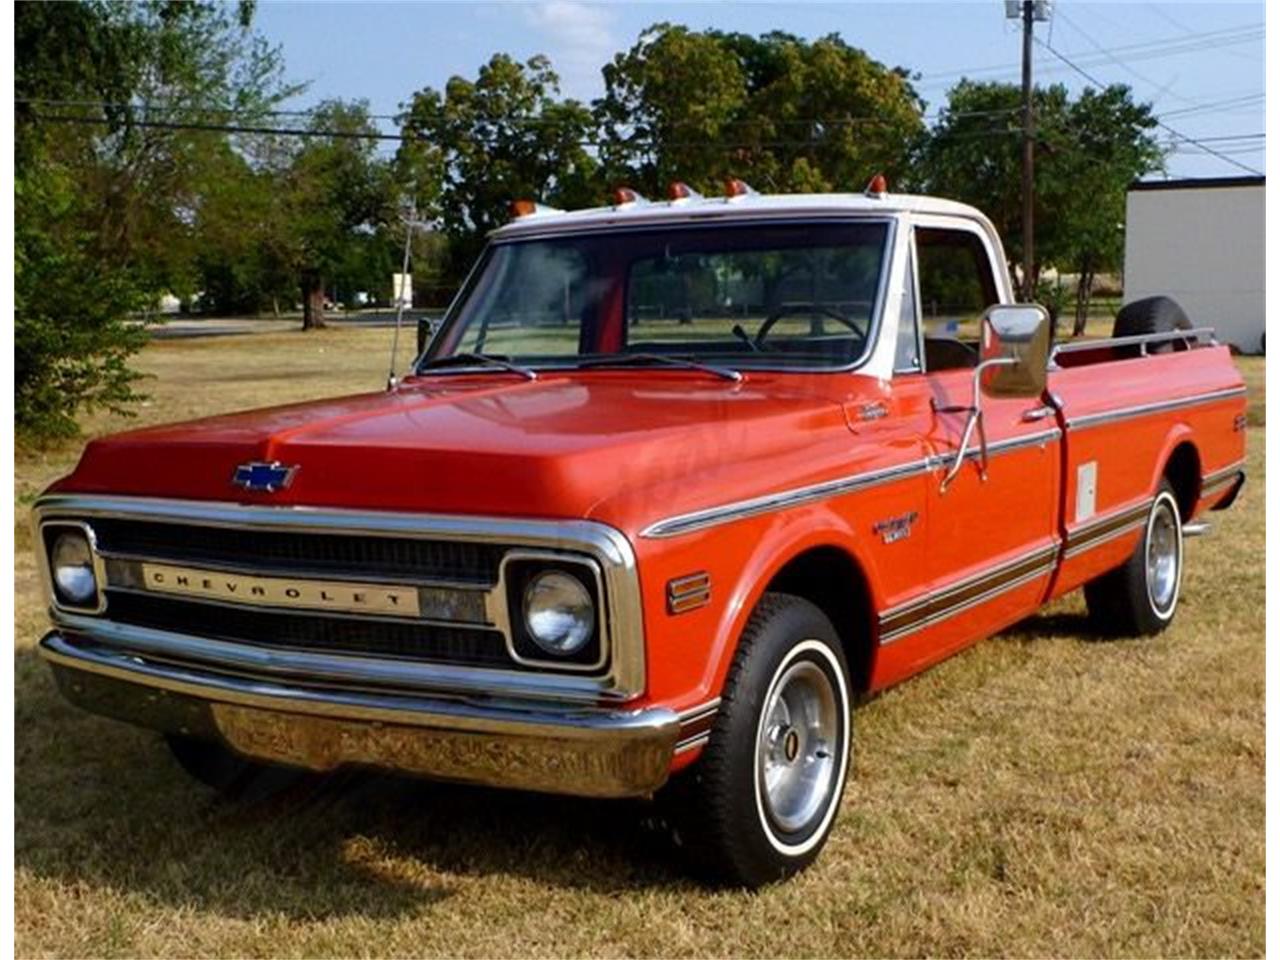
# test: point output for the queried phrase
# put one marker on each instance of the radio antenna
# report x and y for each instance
(410, 221)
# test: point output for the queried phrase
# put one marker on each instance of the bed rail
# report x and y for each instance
(1204, 336)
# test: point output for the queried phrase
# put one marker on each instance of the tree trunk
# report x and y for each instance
(312, 301)
(1084, 293)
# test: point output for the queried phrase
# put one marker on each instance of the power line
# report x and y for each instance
(316, 133)
(229, 113)
(1146, 50)
(1251, 99)
(1176, 133)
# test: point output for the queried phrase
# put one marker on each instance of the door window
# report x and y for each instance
(956, 282)
(956, 286)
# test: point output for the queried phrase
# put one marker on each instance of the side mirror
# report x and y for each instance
(1014, 363)
(1017, 338)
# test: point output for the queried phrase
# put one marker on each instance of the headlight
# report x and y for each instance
(72, 563)
(558, 612)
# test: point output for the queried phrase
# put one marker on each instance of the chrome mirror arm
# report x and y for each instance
(975, 421)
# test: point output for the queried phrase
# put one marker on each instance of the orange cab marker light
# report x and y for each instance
(679, 190)
(878, 186)
(737, 188)
(523, 208)
(625, 195)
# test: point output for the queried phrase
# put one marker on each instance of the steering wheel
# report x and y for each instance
(781, 312)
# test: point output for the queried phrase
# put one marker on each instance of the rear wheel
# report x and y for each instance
(762, 799)
(1141, 597)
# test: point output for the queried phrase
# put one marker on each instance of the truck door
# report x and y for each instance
(991, 531)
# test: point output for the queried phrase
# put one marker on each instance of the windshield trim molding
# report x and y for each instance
(745, 219)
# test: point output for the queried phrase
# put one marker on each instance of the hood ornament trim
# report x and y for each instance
(263, 476)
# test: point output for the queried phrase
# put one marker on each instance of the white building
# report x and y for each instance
(1201, 242)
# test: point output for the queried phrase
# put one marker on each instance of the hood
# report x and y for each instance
(559, 446)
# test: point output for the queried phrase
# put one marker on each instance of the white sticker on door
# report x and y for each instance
(1086, 490)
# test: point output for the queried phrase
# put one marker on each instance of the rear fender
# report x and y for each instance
(1178, 434)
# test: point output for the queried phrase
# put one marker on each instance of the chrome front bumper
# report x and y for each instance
(581, 750)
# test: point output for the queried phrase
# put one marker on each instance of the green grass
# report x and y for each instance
(1044, 793)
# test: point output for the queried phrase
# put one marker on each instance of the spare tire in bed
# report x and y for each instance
(1151, 315)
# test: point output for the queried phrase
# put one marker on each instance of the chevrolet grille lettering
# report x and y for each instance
(281, 592)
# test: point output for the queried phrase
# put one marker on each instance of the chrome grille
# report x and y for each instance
(293, 631)
(458, 636)
(298, 554)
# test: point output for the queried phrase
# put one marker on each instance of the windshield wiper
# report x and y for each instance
(625, 359)
(478, 359)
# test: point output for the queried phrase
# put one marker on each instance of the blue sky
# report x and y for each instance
(1196, 62)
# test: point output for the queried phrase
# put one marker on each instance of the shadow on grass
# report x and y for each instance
(102, 803)
(1059, 625)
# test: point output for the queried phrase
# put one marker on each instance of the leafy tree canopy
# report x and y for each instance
(1087, 152)
(784, 113)
(481, 144)
(104, 205)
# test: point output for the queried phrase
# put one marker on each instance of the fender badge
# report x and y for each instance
(263, 477)
(893, 529)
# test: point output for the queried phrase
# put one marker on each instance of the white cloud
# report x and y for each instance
(580, 41)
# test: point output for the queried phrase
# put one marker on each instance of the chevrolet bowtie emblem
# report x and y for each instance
(263, 477)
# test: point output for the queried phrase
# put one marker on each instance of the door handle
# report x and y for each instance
(1036, 413)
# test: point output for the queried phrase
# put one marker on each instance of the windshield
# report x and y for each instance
(779, 296)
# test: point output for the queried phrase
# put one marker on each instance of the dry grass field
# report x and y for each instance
(1044, 793)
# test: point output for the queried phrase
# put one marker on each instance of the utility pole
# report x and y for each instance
(1028, 158)
(1028, 11)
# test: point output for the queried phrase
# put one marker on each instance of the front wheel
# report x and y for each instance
(1141, 597)
(766, 790)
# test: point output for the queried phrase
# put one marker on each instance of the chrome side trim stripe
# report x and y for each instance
(1125, 413)
(785, 499)
(1210, 482)
(1008, 445)
(1106, 528)
(714, 516)
(915, 615)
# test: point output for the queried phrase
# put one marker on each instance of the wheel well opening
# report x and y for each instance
(1183, 473)
(831, 580)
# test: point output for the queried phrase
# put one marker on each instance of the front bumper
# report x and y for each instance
(583, 751)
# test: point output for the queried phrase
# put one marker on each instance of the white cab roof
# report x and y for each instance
(750, 206)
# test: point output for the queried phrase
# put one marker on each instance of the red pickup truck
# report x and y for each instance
(673, 485)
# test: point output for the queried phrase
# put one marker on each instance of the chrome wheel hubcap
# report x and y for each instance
(796, 752)
(1164, 546)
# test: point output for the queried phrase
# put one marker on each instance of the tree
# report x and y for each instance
(1087, 153)
(786, 113)
(334, 194)
(1108, 144)
(483, 143)
(673, 106)
(105, 199)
